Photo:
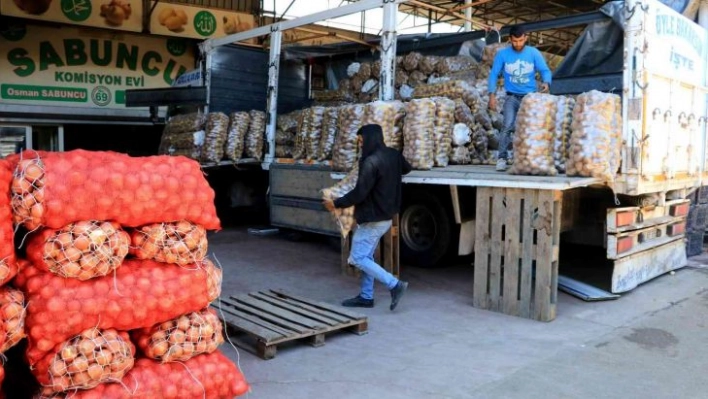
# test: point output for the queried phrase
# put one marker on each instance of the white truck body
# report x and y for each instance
(664, 100)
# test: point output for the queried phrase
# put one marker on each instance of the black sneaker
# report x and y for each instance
(358, 302)
(397, 293)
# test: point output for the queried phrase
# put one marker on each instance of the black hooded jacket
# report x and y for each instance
(377, 195)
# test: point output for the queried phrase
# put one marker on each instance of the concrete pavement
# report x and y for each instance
(649, 343)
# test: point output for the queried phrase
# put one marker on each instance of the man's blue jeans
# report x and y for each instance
(366, 239)
(505, 138)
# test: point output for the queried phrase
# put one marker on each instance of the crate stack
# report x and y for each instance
(697, 221)
(116, 279)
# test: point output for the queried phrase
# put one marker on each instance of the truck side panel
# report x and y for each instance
(664, 101)
(239, 81)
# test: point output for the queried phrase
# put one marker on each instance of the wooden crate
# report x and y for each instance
(516, 251)
(387, 254)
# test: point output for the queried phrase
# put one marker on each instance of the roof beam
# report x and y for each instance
(352, 8)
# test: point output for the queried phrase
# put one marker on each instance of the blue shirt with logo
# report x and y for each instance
(519, 69)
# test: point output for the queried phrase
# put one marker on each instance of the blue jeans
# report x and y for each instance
(366, 239)
(505, 138)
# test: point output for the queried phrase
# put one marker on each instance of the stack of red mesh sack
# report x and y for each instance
(118, 284)
(12, 303)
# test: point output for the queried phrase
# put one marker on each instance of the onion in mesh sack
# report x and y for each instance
(91, 358)
(12, 318)
(182, 338)
(81, 250)
(182, 243)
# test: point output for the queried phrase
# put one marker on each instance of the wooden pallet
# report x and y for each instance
(273, 317)
(516, 251)
(387, 254)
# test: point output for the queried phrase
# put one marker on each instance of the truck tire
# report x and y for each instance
(425, 230)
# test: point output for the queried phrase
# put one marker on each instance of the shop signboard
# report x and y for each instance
(170, 19)
(69, 66)
(124, 15)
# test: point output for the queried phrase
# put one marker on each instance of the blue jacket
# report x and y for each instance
(519, 70)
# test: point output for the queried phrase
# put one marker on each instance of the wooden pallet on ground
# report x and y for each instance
(273, 317)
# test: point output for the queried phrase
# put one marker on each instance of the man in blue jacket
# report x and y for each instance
(377, 198)
(519, 63)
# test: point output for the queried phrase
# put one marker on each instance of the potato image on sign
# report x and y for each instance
(116, 12)
(35, 7)
(172, 19)
(233, 24)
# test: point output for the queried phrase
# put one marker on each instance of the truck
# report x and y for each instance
(649, 54)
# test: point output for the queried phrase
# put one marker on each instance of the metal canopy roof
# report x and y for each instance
(499, 13)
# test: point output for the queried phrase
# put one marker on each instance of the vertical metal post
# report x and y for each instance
(388, 52)
(206, 76)
(272, 107)
(468, 15)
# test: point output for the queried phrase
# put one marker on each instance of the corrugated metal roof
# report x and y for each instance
(499, 13)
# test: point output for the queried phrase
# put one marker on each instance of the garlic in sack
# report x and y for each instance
(236, 136)
(255, 135)
(386, 114)
(533, 140)
(418, 134)
(563, 129)
(428, 63)
(215, 136)
(314, 118)
(411, 61)
(454, 64)
(460, 156)
(364, 72)
(594, 143)
(345, 151)
(444, 120)
(330, 121)
(344, 217)
(401, 78)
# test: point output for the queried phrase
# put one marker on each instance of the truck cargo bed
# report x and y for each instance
(487, 176)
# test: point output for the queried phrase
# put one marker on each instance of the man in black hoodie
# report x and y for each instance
(377, 198)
